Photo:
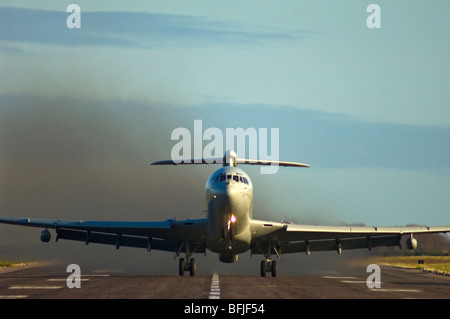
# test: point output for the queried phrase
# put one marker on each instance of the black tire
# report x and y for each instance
(263, 268)
(192, 267)
(274, 268)
(181, 267)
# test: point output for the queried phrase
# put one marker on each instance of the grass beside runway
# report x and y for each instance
(430, 263)
(11, 264)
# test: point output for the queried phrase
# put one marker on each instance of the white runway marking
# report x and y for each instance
(354, 281)
(338, 277)
(395, 290)
(13, 296)
(347, 281)
(35, 287)
(214, 292)
(65, 279)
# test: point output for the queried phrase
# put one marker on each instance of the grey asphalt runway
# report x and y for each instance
(50, 282)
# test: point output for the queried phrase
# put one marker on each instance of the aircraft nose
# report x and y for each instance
(231, 192)
(224, 193)
(227, 196)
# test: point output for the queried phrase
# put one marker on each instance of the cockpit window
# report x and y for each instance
(236, 178)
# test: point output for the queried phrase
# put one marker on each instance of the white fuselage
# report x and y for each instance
(229, 202)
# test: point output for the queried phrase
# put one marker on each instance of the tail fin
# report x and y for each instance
(229, 159)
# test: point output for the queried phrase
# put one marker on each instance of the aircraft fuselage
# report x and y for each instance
(229, 202)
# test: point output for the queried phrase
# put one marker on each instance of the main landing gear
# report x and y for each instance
(187, 263)
(269, 266)
(190, 266)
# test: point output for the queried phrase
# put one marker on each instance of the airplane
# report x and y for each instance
(228, 229)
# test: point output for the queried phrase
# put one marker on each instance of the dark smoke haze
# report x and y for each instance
(74, 159)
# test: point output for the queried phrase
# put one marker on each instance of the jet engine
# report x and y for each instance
(45, 236)
(411, 243)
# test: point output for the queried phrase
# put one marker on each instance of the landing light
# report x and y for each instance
(233, 218)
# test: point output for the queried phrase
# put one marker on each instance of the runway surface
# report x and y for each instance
(50, 282)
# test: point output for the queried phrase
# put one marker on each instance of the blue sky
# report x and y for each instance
(367, 108)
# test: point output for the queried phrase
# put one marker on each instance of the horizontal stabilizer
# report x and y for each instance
(273, 163)
(229, 159)
(218, 160)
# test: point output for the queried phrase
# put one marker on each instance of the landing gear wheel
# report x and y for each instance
(192, 267)
(181, 267)
(274, 269)
(269, 266)
(263, 268)
(189, 265)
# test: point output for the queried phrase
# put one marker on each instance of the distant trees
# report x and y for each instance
(429, 244)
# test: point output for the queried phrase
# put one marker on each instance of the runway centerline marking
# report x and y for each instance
(214, 292)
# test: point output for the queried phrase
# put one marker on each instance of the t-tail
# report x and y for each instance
(230, 158)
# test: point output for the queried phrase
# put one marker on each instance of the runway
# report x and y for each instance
(50, 282)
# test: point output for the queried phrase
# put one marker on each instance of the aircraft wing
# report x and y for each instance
(169, 235)
(292, 238)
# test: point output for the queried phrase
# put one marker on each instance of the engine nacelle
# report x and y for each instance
(45, 236)
(411, 243)
(225, 258)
